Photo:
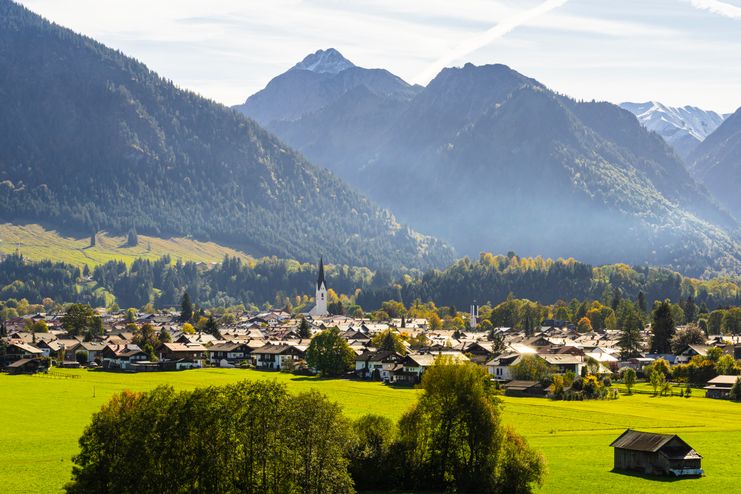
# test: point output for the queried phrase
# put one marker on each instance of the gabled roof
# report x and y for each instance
(644, 441)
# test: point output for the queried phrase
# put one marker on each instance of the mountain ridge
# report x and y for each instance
(555, 165)
(91, 139)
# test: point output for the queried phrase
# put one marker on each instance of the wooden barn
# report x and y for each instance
(656, 454)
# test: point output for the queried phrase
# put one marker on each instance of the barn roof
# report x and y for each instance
(643, 441)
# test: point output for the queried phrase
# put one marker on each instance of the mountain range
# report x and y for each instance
(489, 159)
(683, 128)
(92, 139)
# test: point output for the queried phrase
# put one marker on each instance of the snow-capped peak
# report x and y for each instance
(324, 61)
(681, 127)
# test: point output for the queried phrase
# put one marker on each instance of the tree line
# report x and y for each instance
(273, 282)
(256, 437)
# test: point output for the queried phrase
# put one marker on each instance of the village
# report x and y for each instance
(277, 341)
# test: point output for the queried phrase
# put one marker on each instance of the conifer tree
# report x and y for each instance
(186, 308)
(133, 238)
(662, 326)
(304, 331)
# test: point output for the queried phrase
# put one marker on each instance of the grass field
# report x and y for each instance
(37, 243)
(41, 419)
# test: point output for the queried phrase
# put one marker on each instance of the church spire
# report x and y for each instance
(320, 280)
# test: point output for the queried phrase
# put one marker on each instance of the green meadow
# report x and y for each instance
(41, 418)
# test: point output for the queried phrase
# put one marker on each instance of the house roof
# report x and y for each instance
(522, 385)
(727, 380)
(27, 348)
(19, 363)
(644, 441)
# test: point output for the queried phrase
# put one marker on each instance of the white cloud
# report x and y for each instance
(479, 41)
(717, 7)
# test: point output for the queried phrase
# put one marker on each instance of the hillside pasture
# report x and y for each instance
(38, 243)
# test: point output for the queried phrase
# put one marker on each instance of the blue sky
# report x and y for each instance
(679, 52)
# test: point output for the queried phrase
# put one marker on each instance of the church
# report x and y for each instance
(320, 300)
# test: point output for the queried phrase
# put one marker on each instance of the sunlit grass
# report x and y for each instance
(41, 419)
(37, 243)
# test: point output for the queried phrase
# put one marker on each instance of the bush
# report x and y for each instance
(607, 382)
(578, 384)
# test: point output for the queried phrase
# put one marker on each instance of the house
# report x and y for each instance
(414, 365)
(122, 356)
(179, 351)
(92, 350)
(227, 354)
(565, 362)
(480, 352)
(16, 351)
(525, 389)
(376, 365)
(499, 368)
(689, 351)
(655, 454)
(720, 387)
(26, 366)
(277, 356)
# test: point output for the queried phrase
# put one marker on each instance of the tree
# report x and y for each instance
(304, 330)
(641, 302)
(735, 393)
(630, 341)
(245, 437)
(39, 326)
(691, 335)
(390, 341)
(146, 335)
(329, 353)
(715, 321)
(322, 435)
(132, 240)
(370, 465)
(662, 327)
(77, 319)
(531, 368)
(131, 314)
(211, 327)
(498, 345)
(188, 328)
(452, 438)
(435, 322)
(151, 354)
(731, 323)
(658, 380)
(690, 309)
(629, 378)
(584, 325)
(725, 365)
(92, 239)
(186, 308)
(164, 336)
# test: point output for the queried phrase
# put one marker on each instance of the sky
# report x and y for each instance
(679, 52)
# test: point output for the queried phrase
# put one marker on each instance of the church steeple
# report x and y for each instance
(320, 301)
(320, 280)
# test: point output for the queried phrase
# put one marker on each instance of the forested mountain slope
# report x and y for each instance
(717, 163)
(92, 139)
